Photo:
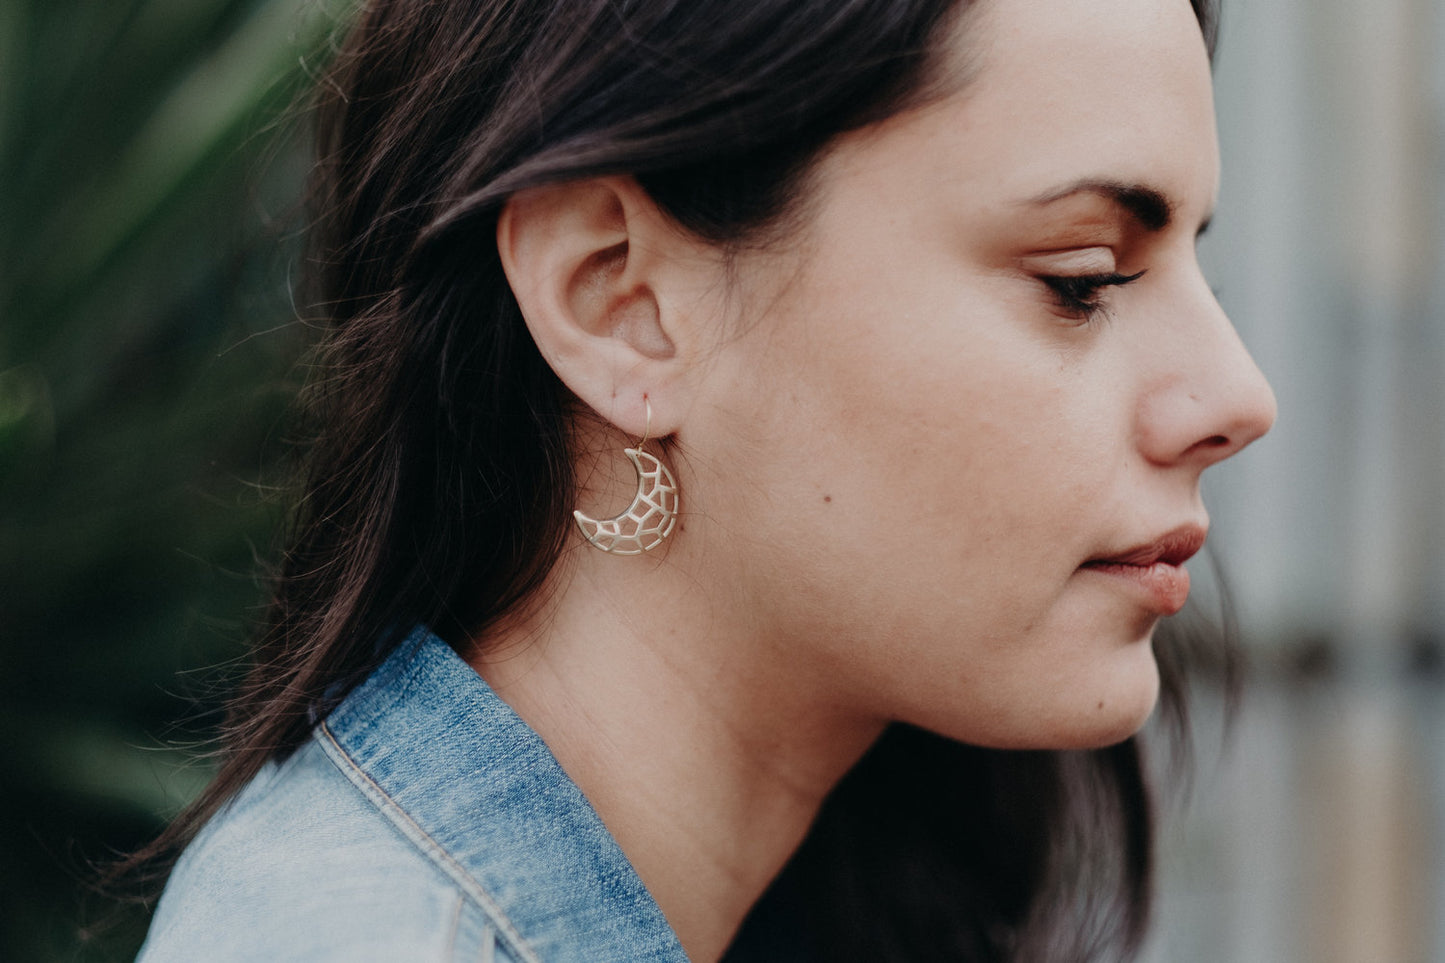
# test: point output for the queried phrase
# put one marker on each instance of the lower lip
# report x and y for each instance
(1164, 587)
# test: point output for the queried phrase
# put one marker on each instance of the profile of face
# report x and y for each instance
(990, 369)
(943, 448)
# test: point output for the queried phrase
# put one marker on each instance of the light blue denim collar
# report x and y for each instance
(479, 793)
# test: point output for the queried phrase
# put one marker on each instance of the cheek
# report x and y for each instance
(937, 476)
(972, 440)
(925, 483)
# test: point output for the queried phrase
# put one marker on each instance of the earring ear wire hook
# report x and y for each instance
(647, 427)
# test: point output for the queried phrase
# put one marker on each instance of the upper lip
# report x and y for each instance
(1172, 548)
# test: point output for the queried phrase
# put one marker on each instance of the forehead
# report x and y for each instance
(1121, 84)
(1057, 91)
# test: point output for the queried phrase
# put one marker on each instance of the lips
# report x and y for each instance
(1175, 548)
(1154, 571)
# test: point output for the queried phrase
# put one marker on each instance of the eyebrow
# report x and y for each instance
(1150, 207)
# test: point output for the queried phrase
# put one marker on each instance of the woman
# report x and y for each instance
(885, 318)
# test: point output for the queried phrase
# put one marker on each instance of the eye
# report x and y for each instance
(1081, 296)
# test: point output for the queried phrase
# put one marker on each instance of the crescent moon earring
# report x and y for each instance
(652, 514)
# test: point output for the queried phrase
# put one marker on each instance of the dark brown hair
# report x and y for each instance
(438, 485)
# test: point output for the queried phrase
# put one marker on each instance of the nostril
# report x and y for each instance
(1217, 446)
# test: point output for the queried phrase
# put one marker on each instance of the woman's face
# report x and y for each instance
(953, 443)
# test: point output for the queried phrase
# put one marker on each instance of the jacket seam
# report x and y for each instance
(489, 945)
(451, 953)
(423, 840)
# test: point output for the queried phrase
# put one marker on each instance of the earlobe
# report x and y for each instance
(585, 260)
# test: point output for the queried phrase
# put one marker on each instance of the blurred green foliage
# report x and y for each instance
(150, 176)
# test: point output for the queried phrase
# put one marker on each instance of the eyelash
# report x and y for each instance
(1081, 295)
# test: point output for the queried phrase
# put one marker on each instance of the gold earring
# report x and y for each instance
(652, 514)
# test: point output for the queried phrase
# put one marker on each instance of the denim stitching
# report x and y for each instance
(489, 945)
(456, 927)
(423, 841)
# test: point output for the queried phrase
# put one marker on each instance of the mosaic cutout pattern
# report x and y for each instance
(647, 521)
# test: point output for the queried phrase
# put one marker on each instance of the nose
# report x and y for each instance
(1208, 399)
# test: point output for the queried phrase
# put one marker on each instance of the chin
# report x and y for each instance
(1090, 700)
(1116, 714)
(1097, 712)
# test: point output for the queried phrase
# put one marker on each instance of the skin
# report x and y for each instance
(898, 447)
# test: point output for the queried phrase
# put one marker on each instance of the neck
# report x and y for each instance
(704, 755)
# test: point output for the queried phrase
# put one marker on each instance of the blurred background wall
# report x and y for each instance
(1318, 835)
(149, 346)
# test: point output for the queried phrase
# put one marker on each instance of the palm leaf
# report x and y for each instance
(147, 350)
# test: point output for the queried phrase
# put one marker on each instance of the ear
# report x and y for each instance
(597, 270)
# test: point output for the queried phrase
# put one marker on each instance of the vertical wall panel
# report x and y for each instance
(1322, 837)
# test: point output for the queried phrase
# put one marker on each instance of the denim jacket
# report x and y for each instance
(422, 821)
